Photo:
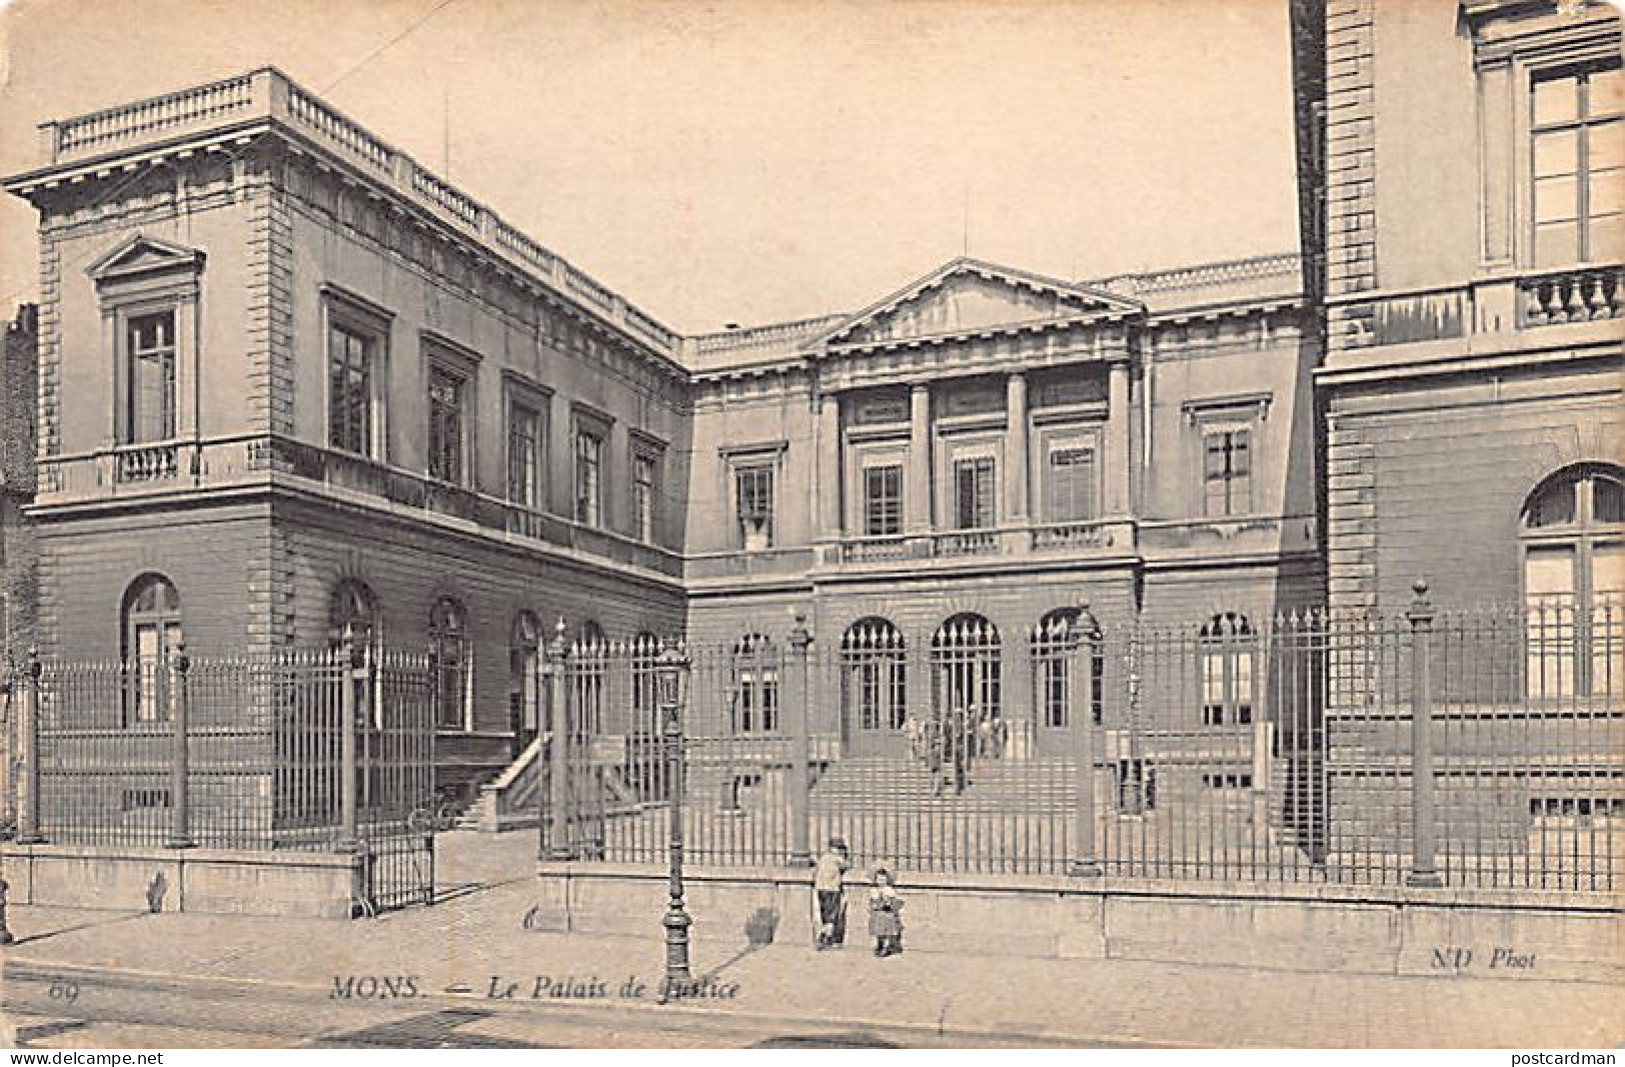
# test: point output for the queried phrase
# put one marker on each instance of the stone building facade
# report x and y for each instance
(1473, 357)
(1467, 169)
(290, 381)
(988, 446)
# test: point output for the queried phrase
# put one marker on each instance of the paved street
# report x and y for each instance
(467, 972)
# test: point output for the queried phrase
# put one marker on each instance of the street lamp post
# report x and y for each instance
(670, 669)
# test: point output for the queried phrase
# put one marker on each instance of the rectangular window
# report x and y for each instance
(446, 425)
(882, 501)
(1550, 638)
(451, 686)
(1578, 156)
(524, 456)
(150, 351)
(589, 477)
(1136, 786)
(350, 358)
(974, 493)
(756, 707)
(1054, 686)
(753, 495)
(1069, 485)
(643, 497)
(1227, 473)
(1607, 606)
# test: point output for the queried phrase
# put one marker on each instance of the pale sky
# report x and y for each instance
(748, 160)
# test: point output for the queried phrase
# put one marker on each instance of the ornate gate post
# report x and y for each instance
(1423, 828)
(28, 825)
(9, 699)
(345, 665)
(559, 846)
(801, 748)
(1083, 645)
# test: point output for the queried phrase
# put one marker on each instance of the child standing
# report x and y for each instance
(830, 895)
(886, 914)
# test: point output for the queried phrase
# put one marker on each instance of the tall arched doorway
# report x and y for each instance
(874, 688)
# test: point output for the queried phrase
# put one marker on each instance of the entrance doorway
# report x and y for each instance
(874, 688)
(967, 687)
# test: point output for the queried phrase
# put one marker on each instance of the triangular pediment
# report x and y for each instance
(144, 255)
(969, 296)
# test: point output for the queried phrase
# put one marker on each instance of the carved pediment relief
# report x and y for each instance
(967, 297)
(141, 255)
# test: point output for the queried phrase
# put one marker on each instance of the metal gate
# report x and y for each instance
(399, 812)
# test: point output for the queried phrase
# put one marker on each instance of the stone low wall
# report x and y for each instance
(314, 884)
(1369, 930)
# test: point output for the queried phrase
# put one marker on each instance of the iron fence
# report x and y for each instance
(304, 749)
(1470, 749)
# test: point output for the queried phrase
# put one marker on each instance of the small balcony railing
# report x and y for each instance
(1581, 295)
(871, 549)
(146, 462)
(1069, 535)
(965, 543)
(950, 545)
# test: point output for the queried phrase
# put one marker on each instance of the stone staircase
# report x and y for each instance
(510, 801)
(1185, 818)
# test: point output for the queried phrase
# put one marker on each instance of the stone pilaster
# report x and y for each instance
(1351, 197)
(827, 451)
(1119, 467)
(1017, 460)
(917, 493)
(50, 348)
(270, 307)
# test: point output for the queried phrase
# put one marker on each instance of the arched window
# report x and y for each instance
(524, 677)
(755, 686)
(151, 633)
(589, 661)
(1574, 583)
(874, 690)
(965, 670)
(453, 676)
(1055, 648)
(1226, 648)
(353, 605)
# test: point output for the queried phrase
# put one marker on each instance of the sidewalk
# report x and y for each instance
(466, 948)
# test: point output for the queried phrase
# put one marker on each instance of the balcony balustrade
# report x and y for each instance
(146, 462)
(1573, 296)
(1065, 536)
(876, 549)
(955, 545)
(237, 461)
(965, 543)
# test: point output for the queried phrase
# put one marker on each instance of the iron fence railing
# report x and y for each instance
(1470, 749)
(236, 753)
(1465, 749)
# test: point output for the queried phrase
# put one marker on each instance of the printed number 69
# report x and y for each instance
(68, 991)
